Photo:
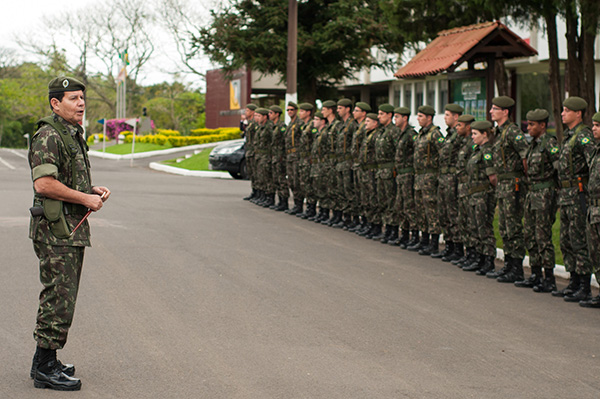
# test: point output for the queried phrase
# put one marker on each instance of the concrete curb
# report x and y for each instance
(184, 172)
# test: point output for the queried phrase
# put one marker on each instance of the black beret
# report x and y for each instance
(537, 115)
(575, 103)
(596, 117)
(457, 109)
(63, 84)
(426, 109)
(262, 111)
(306, 106)
(276, 108)
(402, 111)
(503, 102)
(251, 107)
(388, 108)
(466, 118)
(481, 125)
(345, 102)
(373, 116)
(329, 104)
(292, 104)
(364, 106)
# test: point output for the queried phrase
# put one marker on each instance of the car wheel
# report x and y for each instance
(243, 170)
(235, 175)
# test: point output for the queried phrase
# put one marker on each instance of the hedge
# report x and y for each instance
(181, 141)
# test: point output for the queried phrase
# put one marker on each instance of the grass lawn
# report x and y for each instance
(196, 162)
(122, 149)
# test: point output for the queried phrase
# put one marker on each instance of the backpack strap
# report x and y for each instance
(67, 140)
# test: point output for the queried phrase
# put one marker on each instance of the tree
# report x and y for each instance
(173, 106)
(335, 39)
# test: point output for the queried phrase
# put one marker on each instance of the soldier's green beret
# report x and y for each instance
(276, 108)
(292, 104)
(537, 115)
(306, 106)
(373, 116)
(329, 104)
(482, 126)
(402, 111)
(596, 117)
(466, 118)
(64, 83)
(251, 107)
(319, 115)
(345, 102)
(364, 106)
(388, 108)
(503, 102)
(262, 111)
(457, 109)
(426, 109)
(575, 103)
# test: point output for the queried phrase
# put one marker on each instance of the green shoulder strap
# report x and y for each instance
(67, 140)
(571, 144)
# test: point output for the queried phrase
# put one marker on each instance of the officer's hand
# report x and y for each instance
(94, 202)
(102, 191)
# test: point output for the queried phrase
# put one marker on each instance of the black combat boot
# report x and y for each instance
(488, 265)
(335, 219)
(414, 239)
(392, 237)
(342, 222)
(352, 222)
(49, 373)
(314, 214)
(584, 293)
(365, 230)
(311, 210)
(283, 204)
(68, 369)
(508, 264)
(447, 251)
(421, 243)
(434, 246)
(473, 257)
(534, 279)
(574, 283)
(296, 208)
(251, 196)
(257, 197)
(323, 215)
(269, 201)
(456, 254)
(477, 264)
(462, 259)
(515, 273)
(375, 231)
(402, 240)
(384, 236)
(592, 303)
(548, 284)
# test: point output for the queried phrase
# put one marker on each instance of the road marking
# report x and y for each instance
(17, 153)
(9, 166)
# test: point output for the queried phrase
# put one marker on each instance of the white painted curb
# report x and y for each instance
(185, 172)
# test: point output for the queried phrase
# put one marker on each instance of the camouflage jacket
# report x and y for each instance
(594, 182)
(405, 151)
(464, 154)
(428, 144)
(292, 138)
(542, 159)
(306, 141)
(449, 151)
(479, 167)
(343, 143)
(48, 156)
(264, 139)
(576, 152)
(278, 142)
(250, 137)
(357, 140)
(326, 142)
(385, 146)
(367, 157)
(510, 149)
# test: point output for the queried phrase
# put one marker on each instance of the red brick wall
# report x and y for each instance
(218, 112)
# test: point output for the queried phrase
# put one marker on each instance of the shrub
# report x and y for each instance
(168, 132)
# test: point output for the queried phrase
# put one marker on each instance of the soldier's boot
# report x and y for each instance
(388, 233)
(508, 264)
(488, 265)
(350, 223)
(344, 221)
(584, 293)
(473, 257)
(394, 237)
(574, 283)
(68, 369)
(422, 243)
(375, 231)
(295, 209)
(49, 374)
(283, 204)
(258, 195)
(463, 258)
(447, 251)
(275, 203)
(534, 279)
(323, 215)
(477, 264)
(314, 213)
(251, 196)
(329, 220)
(432, 247)
(365, 230)
(414, 239)
(309, 212)
(335, 219)
(548, 284)
(592, 303)
(457, 254)
(269, 201)
(262, 198)
(358, 224)
(402, 240)
(515, 273)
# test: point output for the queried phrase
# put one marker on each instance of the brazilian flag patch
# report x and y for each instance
(441, 140)
(474, 146)
(283, 129)
(415, 137)
(519, 137)
(585, 140)
(487, 157)
(554, 150)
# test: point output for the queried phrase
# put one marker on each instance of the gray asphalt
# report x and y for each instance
(190, 292)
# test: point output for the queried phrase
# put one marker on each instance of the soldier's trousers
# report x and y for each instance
(306, 181)
(386, 196)
(293, 178)
(251, 169)
(369, 188)
(448, 207)
(405, 201)
(465, 222)
(427, 201)
(540, 214)
(483, 207)
(280, 184)
(593, 238)
(265, 174)
(348, 196)
(510, 219)
(573, 240)
(60, 272)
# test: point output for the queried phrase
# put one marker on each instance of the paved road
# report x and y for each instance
(190, 292)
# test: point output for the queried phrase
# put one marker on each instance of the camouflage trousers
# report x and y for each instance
(483, 207)
(540, 214)
(321, 175)
(251, 170)
(386, 196)
(465, 222)
(405, 201)
(593, 238)
(349, 203)
(280, 184)
(371, 204)
(448, 207)
(306, 183)
(60, 272)
(573, 240)
(264, 174)
(426, 202)
(292, 168)
(510, 219)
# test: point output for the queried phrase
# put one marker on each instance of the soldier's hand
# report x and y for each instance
(94, 202)
(103, 192)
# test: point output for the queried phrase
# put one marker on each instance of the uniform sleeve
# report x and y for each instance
(519, 142)
(553, 151)
(488, 161)
(437, 139)
(588, 145)
(44, 154)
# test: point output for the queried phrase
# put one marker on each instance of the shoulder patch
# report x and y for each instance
(314, 130)
(441, 140)
(519, 137)
(414, 137)
(585, 140)
(283, 129)
(487, 157)
(474, 146)
(554, 150)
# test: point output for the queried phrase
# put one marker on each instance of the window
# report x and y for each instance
(443, 95)
(431, 92)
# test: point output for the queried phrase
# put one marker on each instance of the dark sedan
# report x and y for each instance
(231, 157)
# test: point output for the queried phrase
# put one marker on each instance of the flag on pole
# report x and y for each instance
(122, 75)
(124, 56)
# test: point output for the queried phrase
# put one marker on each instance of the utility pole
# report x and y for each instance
(292, 55)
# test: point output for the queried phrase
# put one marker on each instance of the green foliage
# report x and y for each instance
(195, 162)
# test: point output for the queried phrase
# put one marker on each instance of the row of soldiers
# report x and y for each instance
(375, 175)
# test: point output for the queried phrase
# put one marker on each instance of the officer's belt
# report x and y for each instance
(385, 165)
(594, 202)
(74, 209)
(404, 171)
(573, 182)
(509, 176)
(479, 188)
(447, 169)
(368, 166)
(424, 171)
(291, 151)
(542, 185)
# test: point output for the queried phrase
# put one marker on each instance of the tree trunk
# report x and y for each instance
(501, 78)
(554, 73)
(574, 69)
(589, 26)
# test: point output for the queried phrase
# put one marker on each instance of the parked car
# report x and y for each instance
(230, 157)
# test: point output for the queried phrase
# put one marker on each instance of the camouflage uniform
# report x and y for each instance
(405, 177)
(593, 216)
(278, 162)
(368, 167)
(427, 146)
(465, 219)
(292, 145)
(385, 150)
(345, 174)
(510, 149)
(357, 141)
(448, 186)
(326, 185)
(540, 204)
(250, 138)
(482, 198)
(61, 259)
(576, 151)
(304, 162)
(262, 149)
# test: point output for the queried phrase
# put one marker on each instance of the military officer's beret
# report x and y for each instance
(457, 109)
(596, 117)
(319, 115)
(503, 102)
(373, 116)
(64, 83)
(306, 106)
(276, 108)
(292, 104)
(426, 109)
(345, 102)
(575, 103)
(329, 104)
(466, 118)
(262, 111)
(251, 107)
(402, 111)
(482, 126)
(537, 115)
(364, 106)
(388, 108)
